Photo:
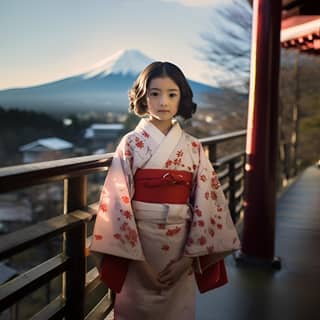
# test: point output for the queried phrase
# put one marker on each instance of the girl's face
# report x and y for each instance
(163, 98)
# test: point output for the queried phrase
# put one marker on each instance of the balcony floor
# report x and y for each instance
(292, 292)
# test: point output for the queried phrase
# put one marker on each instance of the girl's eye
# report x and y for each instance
(154, 93)
(172, 95)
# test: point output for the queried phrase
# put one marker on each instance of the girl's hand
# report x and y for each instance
(175, 270)
(148, 276)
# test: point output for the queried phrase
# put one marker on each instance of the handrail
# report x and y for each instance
(20, 240)
(223, 137)
(31, 280)
(14, 177)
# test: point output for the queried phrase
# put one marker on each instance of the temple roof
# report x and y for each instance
(300, 27)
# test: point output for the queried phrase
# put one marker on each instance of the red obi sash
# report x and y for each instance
(162, 186)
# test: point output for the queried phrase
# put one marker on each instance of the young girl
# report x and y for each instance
(163, 223)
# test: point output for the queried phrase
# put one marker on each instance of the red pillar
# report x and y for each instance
(260, 197)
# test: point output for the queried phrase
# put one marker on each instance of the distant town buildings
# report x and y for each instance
(103, 136)
(46, 149)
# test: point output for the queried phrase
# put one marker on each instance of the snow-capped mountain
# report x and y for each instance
(104, 87)
(122, 62)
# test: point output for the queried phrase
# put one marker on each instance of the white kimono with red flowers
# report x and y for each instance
(160, 232)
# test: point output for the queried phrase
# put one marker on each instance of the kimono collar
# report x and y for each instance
(165, 146)
(153, 131)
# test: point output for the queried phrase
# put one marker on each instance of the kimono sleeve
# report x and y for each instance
(115, 231)
(212, 233)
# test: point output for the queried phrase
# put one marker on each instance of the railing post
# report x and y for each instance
(213, 152)
(75, 193)
(75, 276)
(75, 197)
(232, 189)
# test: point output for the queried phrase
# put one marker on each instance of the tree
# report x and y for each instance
(299, 111)
(227, 45)
(227, 48)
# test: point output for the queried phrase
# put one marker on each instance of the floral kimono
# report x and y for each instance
(128, 227)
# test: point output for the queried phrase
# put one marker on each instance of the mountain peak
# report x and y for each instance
(122, 62)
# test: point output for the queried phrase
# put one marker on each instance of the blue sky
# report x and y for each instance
(45, 40)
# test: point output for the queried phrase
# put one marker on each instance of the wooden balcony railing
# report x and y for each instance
(80, 285)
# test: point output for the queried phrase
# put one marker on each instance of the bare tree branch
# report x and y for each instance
(227, 44)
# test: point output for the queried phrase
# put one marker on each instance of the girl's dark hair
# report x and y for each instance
(138, 92)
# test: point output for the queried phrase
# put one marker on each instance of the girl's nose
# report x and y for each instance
(163, 101)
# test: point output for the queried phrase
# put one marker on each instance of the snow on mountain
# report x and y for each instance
(122, 62)
(104, 87)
